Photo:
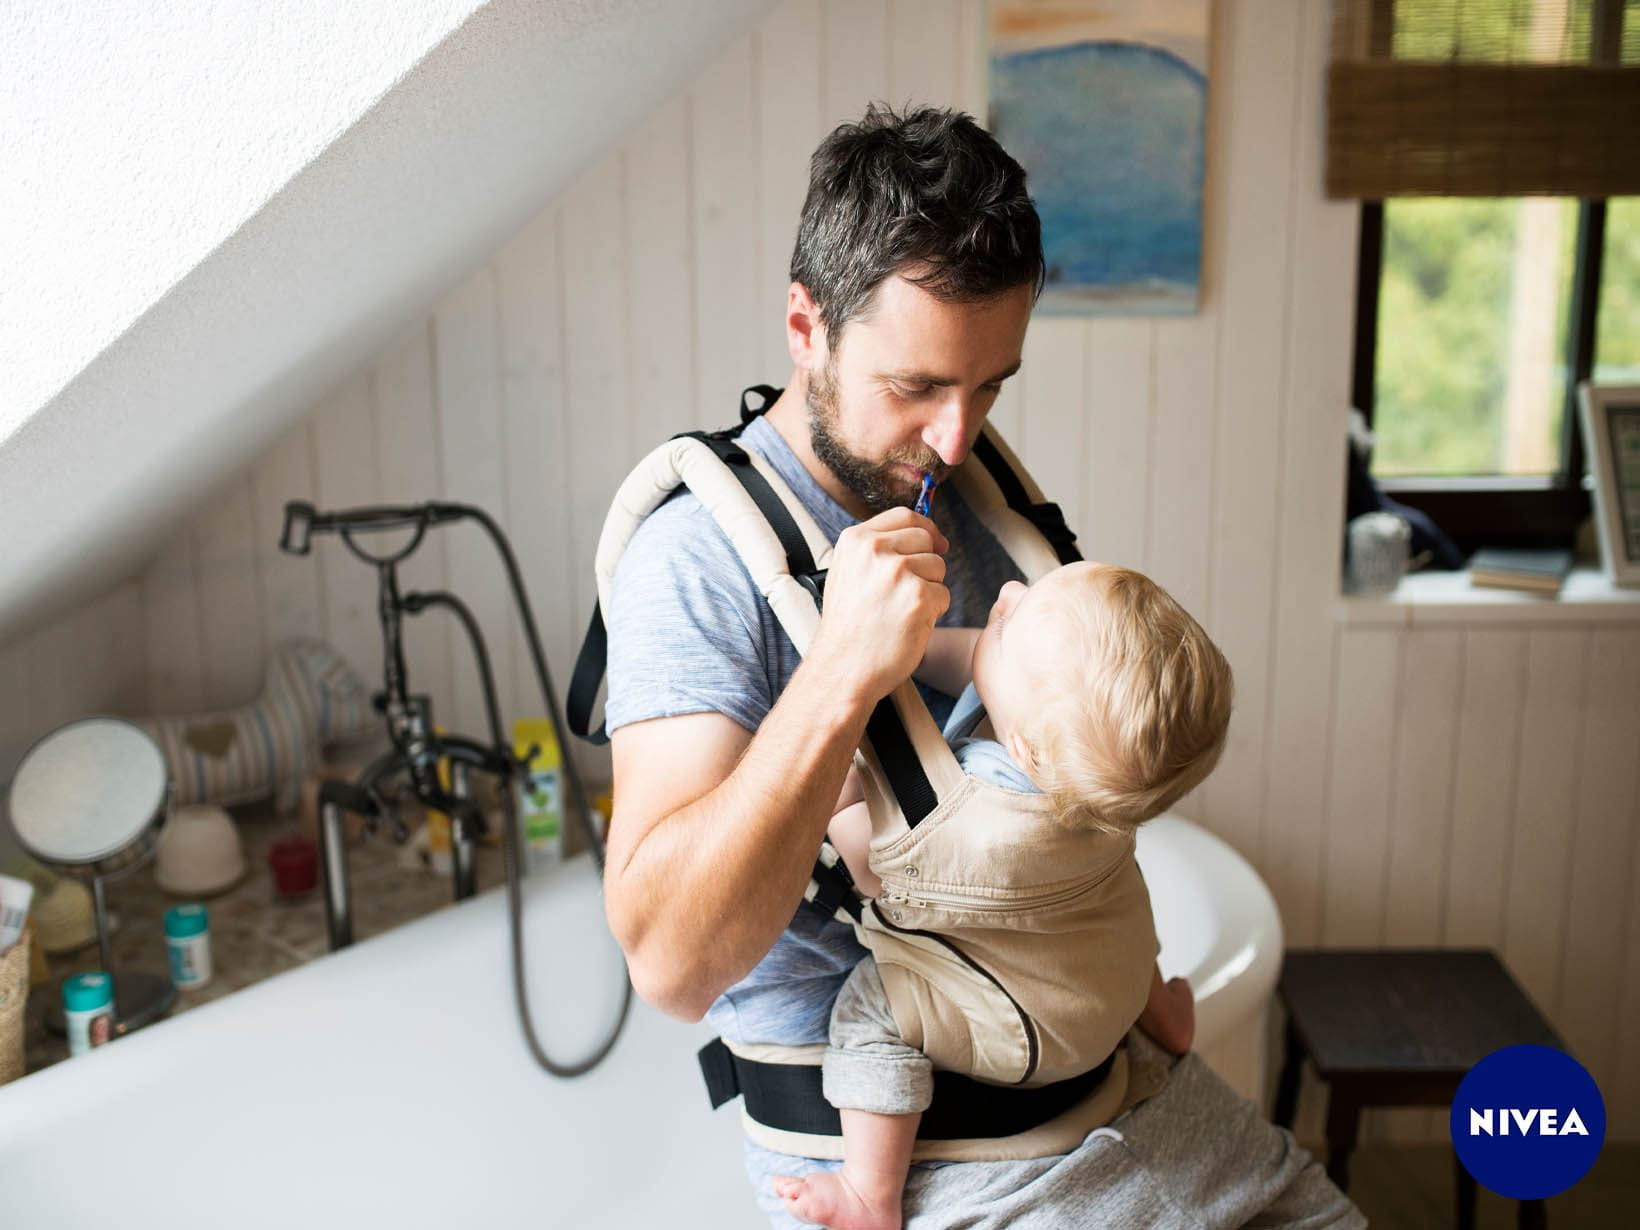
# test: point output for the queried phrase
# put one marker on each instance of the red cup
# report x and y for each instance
(295, 863)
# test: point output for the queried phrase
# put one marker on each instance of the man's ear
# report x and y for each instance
(805, 335)
(1019, 747)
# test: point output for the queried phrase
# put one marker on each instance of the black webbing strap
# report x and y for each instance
(788, 1097)
(1049, 519)
(583, 683)
(892, 743)
(834, 887)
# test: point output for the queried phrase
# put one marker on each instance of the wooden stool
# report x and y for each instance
(1399, 1028)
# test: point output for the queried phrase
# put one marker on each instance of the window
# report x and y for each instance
(1476, 319)
(1490, 143)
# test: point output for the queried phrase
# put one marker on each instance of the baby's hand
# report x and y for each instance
(1170, 1014)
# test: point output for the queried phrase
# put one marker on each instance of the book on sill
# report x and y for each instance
(1537, 572)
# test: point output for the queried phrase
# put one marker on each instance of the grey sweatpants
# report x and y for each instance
(1196, 1155)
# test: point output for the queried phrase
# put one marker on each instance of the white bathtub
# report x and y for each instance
(388, 1086)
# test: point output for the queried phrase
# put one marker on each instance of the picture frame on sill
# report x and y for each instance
(1611, 433)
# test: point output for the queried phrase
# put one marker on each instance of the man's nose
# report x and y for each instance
(948, 432)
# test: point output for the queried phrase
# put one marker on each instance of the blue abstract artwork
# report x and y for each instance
(1105, 106)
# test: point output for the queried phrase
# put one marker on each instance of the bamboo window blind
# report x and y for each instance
(1484, 98)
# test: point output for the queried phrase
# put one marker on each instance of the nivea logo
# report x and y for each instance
(1541, 1120)
(1528, 1122)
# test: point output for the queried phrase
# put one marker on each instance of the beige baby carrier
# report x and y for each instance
(1011, 893)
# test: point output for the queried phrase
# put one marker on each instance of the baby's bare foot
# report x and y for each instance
(828, 1198)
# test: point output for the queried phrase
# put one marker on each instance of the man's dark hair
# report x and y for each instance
(929, 195)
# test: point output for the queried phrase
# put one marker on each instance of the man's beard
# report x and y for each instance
(877, 483)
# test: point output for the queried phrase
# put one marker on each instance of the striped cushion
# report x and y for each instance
(311, 697)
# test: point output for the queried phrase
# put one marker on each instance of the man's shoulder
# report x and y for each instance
(680, 535)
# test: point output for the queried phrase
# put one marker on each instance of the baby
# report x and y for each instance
(1104, 694)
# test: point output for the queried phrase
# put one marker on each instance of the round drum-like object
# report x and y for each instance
(90, 795)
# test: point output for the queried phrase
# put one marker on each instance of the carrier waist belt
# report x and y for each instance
(788, 1097)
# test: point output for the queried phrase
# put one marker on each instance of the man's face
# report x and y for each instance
(909, 386)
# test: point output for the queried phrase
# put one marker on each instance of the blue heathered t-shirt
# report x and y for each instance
(690, 633)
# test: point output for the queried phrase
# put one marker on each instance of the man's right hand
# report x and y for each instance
(885, 588)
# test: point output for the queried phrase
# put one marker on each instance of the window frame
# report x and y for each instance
(1494, 510)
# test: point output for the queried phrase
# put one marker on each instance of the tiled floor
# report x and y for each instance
(254, 933)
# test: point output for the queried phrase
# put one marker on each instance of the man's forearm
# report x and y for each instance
(710, 887)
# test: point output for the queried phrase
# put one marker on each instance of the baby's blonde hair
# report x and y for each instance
(1137, 716)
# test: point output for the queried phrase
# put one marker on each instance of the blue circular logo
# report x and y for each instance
(1528, 1122)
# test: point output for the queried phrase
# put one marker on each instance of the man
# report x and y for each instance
(917, 262)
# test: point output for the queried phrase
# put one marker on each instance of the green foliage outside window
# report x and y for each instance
(1451, 284)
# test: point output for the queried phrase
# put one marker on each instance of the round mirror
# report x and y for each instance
(88, 792)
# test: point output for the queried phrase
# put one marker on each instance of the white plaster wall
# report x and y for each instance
(137, 137)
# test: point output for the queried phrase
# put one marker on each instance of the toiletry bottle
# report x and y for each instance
(88, 1010)
(188, 939)
(541, 795)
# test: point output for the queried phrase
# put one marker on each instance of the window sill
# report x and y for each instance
(1444, 599)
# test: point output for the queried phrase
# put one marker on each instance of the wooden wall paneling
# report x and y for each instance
(232, 645)
(1426, 741)
(1179, 523)
(291, 585)
(18, 727)
(1622, 1097)
(82, 644)
(538, 475)
(473, 446)
(1117, 405)
(49, 668)
(922, 53)
(973, 86)
(1052, 402)
(601, 446)
(854, 70)
(1310, 515)
(125, 685)
(1603, 841)
(727, 232)
(789, 126)
(408, 452)
(1483, 786)
(658, 237)
(1539, 854)
(170, 600)
(344, 441)
(1359, 787)
(1256, 67)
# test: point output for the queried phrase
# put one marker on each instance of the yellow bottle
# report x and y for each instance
(541, 793)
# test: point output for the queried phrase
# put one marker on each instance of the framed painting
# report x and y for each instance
(1104, 103)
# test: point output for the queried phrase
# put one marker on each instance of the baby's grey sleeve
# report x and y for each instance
(685, 626)
(868, 1066)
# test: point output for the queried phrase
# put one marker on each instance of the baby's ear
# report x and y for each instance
(1019, 747)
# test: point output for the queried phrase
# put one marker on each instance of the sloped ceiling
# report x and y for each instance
(464, 139)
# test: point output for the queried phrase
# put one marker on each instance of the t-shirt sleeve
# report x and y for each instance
(687, 630)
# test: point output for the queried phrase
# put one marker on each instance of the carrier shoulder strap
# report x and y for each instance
(775, 567)
(593, 660)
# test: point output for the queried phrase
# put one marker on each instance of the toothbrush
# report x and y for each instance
(925, 498)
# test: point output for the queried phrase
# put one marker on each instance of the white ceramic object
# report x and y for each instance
(199, 852)
(1216, 921)
(347, 1070)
